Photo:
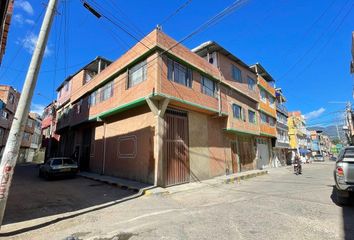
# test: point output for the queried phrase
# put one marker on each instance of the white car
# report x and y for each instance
(318, 158)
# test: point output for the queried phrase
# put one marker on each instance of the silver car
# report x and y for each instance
(318, 158)
(344, 175)
(58, 167)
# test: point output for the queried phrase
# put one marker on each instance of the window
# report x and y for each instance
(251, 116)
(208, 87)
(67, 85)
(56, 162)
(237, 111)
(1, 133)
(271, 121)
(93, 98)
(106, 91)
(264, 118)
(67, 161)
(5, 115)
(263, 95)
(272, 101)
(11, 98)
(29, 123)
(251, 83)
(179, 73)
(26, 136)
(236, 74)
(137, 74)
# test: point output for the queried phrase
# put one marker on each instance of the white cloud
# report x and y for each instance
(20, 20)
(314, 114)
(37, 108)
(25, 6)
(29, 43)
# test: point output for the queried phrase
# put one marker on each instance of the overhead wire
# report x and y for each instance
(320, 37)
(216, 18)
(166, 19)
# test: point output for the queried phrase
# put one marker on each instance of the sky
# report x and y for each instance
(305, 45)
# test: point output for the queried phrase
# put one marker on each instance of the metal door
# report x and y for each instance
(234, 156)
(176, 147)
(263, 153)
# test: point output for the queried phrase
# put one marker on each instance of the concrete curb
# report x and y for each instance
(237, 179)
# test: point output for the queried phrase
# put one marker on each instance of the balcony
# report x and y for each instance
(281, 108)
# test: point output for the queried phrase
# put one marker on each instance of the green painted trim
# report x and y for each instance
(267, 135)
(233, 130)
(190, 103)
(121, 108)
(259, 85)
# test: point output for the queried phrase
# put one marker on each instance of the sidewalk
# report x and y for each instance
(150, 190)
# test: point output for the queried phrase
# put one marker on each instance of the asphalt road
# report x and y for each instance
(279, 205)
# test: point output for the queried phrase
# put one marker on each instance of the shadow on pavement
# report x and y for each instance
(32, 197)
(347, 214)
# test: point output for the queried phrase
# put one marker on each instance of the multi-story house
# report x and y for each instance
(32, 133)
(9, 96)
(50, 139)
(297, 133)
(6, 10)
(280, 150)
(239, 91)
(163, 115)
(267, 116)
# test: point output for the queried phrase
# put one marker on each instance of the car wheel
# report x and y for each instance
(341, 199)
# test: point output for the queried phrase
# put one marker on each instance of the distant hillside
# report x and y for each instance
(331, 131)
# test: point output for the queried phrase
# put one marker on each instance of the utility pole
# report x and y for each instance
(9, 158)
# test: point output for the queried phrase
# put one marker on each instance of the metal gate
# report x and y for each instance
(263, 153)
(176, 147)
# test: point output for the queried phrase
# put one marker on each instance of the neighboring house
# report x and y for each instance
(31, 136)
(297, 133)
(282, 146)
(267, 118)
(50, 139)
(6, 9)
(239, 100)
(9, 97)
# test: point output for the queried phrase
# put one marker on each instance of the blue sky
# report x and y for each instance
(304, 45)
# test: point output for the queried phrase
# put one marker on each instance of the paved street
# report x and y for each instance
(279, 205)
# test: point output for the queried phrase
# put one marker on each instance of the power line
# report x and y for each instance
(315, 43)
(219, 16)
(175, 12)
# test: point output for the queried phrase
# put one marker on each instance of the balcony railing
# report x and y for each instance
(282, 108)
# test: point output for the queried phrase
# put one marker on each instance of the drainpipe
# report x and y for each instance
(219, 99)
(104, 147)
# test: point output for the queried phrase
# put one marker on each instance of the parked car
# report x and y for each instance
(318, 158)
(333, 158)
(344, 175)
(58, 167)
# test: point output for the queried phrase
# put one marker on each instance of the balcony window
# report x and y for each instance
(251, 116)
(209, 87)
(251, 83)
(93, 99)
(272, 101)
(179, 73)
(264, 118)
(236, 74)
(137, 74)
(26, 136)
(271, 121)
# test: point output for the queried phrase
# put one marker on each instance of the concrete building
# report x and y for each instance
(267, 111)
(6, 9)
(161, 114)
(297, 133)
(50, 139)
(32, 132)
(281, 148)
(9, 97)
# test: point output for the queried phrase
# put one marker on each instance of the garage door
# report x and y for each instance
(263, 153)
